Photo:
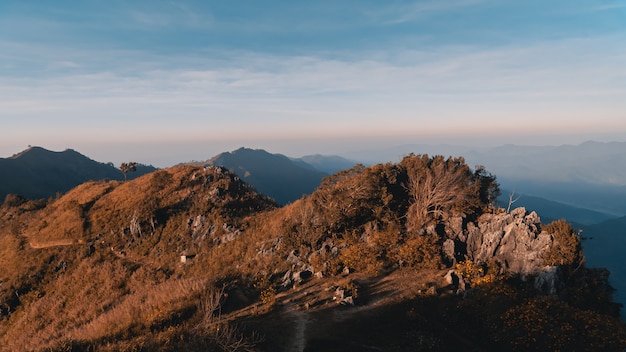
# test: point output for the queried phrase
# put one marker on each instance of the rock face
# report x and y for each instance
(549, 280)
(514, 240)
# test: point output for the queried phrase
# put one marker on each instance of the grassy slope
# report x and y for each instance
(117, 282)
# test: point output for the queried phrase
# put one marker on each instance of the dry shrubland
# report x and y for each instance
(99, 267)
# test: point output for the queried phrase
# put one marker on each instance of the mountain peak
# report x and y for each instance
(274, 175)
(40, 173)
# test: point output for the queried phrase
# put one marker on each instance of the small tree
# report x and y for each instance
(128, 167)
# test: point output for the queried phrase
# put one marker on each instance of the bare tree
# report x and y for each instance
(512, 199)
(436, 186)
(128, 167)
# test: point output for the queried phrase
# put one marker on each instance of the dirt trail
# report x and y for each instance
(57, 243)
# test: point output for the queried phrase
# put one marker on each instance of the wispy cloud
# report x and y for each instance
(407, 12)
(454, 84)
(609, 6)
(168, 15)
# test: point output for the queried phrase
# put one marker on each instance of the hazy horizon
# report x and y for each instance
(164, 82)
(169, 154)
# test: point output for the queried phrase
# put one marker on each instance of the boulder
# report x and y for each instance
(448, 250)
(455, 281)
(302, 275)
(549, 280)
(514, 240)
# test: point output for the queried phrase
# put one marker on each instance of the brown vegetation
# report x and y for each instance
(373, 233)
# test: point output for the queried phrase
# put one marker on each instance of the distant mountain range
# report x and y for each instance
(274, 175)
(597, 208)
(40, 173)
(329, 164)
(551, 210)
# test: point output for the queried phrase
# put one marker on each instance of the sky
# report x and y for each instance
(162, 82)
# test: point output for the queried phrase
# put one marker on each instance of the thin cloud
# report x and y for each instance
(540, 71)
(397, 14)
(609, 6)
(169, 15)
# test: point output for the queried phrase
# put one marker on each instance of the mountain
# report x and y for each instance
(551, 210)
(608, 199)
(329, 164)
(391, 257)
(591, 163)
(40, 173)
(274, 175)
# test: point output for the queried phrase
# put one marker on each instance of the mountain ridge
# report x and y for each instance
(40, 173)
(272, 174)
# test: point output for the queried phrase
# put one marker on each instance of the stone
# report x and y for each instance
(302, 276)
(448, 250)
(549, 280)
(515, 240)
(348, 301)
(339, 294)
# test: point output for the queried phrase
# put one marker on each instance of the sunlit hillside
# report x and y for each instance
(393, 257)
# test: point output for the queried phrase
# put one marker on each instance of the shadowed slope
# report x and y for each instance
(40, 173)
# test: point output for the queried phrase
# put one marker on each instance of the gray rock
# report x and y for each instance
(515, 240)
(348, 301)
(549, 280)
(455, 281)
(339, 294)
(449, 250)
(454, 228)
(302, 276)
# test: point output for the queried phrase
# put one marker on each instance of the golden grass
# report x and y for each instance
(126, 286)
(94, 303)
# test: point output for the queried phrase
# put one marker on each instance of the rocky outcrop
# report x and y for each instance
(513, 240)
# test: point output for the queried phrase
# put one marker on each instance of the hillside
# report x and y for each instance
(40, 173)
(391, 257)
(590, 175)
(274, 175)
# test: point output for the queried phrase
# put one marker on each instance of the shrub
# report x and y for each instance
(474, 274)
(566, 249)
(420, 251)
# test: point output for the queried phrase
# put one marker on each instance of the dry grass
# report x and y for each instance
(95, 304)
(125, 288)
(65, 218)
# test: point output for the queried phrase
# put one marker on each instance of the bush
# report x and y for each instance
(566, 249)
(420, 251)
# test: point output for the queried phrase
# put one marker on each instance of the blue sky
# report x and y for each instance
(163, 82)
